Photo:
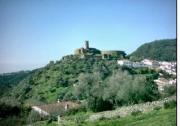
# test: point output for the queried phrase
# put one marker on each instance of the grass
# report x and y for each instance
(162, 117)
(155, 118)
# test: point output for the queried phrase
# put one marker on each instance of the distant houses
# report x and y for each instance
(169, 67)
(131, 64)
(161, 82)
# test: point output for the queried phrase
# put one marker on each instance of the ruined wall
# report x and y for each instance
(113, 54)
(79, 51)
(110, 54)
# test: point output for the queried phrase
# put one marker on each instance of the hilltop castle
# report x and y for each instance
(88, 52)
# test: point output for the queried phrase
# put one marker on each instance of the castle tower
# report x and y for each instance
(86, 44)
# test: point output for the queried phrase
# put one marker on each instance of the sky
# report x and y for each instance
(34, 32)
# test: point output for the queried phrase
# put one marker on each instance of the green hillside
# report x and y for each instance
(99, 84)
(64, 80)
(9, 80)
(56, 80)
(161, 50)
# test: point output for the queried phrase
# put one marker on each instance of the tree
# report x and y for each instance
(122, 89)
(90, 87)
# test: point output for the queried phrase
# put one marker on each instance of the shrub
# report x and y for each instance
(12, 121)
(120, 88)
(76, 110)
(98, 104)
(157, 108)
(169, 90)
(124, 89)
(170, 104)
(102, 118)
(136, 112)
(49, 121)
(79, 120)
(35, 116)
(9, 110)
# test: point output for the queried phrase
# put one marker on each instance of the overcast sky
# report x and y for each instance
(33, 32)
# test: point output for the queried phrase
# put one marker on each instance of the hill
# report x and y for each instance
(98, 83)
(73, 78)
(65, 78)
(56, 79)
(9, 80)
(161, 50)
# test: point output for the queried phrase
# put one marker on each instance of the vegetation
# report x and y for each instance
(34, 116)
(165, 117)
(102, 83)
(157, 118)
(169, 90)
(170, 104)
(56, 80)
(119, 89)
(9, 80)
(13, 114)
(135, 113)
(161, 50)
(98, 84)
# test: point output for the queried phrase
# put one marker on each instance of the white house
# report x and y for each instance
(131, 64)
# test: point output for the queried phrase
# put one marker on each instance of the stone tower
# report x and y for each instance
(86, 44)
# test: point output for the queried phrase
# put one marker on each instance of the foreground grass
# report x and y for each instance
(155, 118)
(162, 117)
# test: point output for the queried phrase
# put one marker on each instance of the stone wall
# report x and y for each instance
(112, 54)
(127, 110)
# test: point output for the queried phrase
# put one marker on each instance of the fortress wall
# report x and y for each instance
(112, 52)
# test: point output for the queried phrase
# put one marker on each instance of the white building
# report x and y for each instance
(125, 63)
(161, 82)
(131, 64)
(150, 63)
(147, 62)
(172, 82)
(169, 67)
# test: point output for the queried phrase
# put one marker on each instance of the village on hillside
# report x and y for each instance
(120, 56)
(164, 66)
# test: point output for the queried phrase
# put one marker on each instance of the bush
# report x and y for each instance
(118, 89)
(157, 108)
(98, 104)
(35, 116)
(12, 121)
(79, 120)
(76, 110)
(169, 90)
(170, 104)
(124, 89)
(9, 110)
(136, 112)
(102, 118)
